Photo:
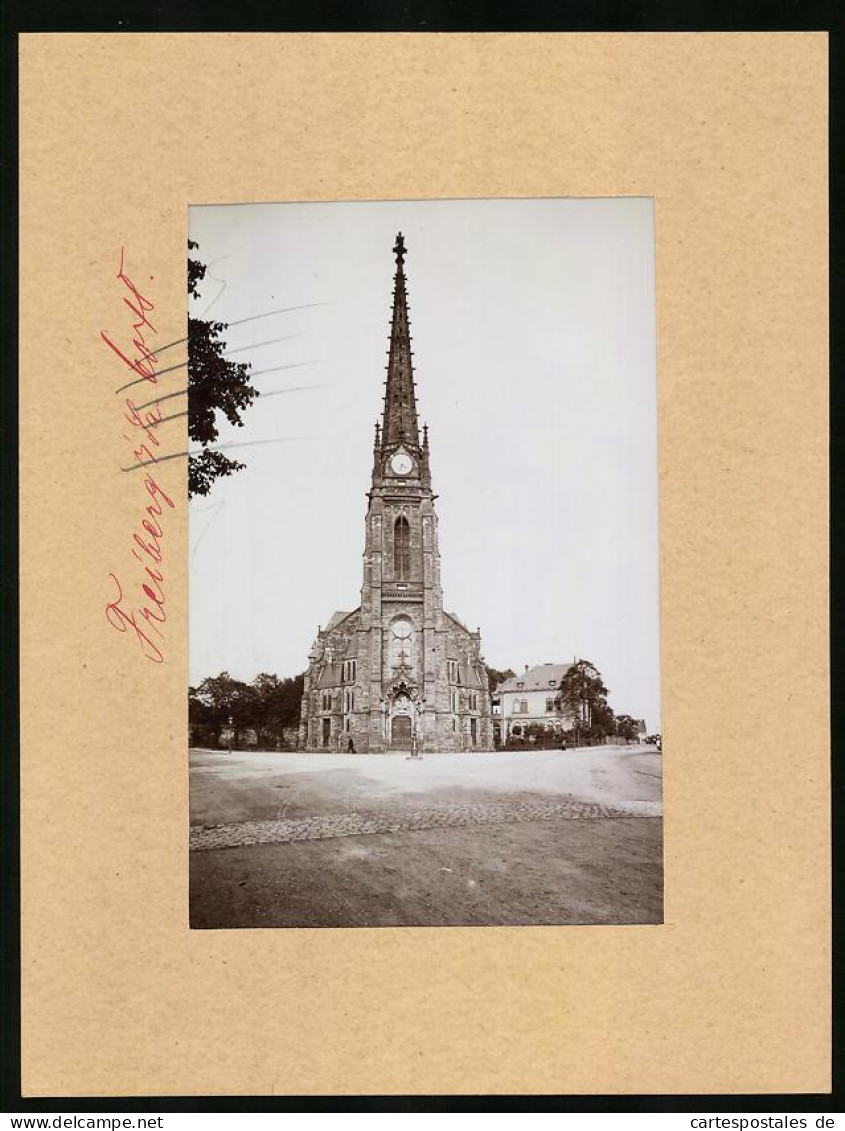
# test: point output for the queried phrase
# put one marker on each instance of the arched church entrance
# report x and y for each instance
(400, 732)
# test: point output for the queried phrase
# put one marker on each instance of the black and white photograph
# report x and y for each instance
(424, 663)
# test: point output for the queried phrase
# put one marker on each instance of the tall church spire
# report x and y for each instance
(384, 677)
(400, 406)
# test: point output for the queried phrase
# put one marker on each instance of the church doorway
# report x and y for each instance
(327, 731)
(400, 733)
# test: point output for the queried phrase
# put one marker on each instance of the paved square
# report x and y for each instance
(550, 837)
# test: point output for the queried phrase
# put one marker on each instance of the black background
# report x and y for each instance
(373, 16)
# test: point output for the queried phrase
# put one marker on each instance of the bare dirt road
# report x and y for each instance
(486, 839)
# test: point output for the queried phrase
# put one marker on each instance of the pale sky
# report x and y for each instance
(533, 326)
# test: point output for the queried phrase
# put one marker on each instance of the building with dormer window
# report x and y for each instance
(532, 696)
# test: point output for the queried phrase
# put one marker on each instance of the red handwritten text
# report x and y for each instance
(142, 613)
(147, 618)
(144, 365)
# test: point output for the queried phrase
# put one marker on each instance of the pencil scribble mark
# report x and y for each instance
(262, 397)
(253, 318)
(258, 373)
(183, 364)
(221, 448)
(222, 282)
(215, 509)
(257, 345)
(294, 389)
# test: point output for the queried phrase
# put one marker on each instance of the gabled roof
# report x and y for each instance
(352, 651)
(337, 618)
(469, 676)
(457, 621)
(543, 677)
(330, 675)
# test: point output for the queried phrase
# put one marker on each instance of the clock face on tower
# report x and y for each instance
(402, 644)
(401, 463)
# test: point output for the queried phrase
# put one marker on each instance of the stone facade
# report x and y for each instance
(399, 671)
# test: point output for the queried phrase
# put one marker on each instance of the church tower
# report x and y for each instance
(398, 672)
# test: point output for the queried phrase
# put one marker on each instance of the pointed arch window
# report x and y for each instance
(402, 549)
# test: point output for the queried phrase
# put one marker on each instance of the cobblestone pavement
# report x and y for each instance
(360, 823)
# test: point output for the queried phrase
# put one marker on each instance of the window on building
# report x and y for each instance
(520, 685)
(550, 704)
(402, 548)
(552, 683)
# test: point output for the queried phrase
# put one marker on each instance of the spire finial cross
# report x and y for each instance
(399, 249)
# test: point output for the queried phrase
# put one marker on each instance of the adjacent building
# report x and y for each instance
(533, 696)
(399, 671)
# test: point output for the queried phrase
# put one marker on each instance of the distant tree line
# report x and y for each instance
(266, 706)
(270, 705)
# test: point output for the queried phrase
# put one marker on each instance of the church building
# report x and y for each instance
(398, 672)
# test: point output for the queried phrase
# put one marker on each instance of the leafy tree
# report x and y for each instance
(627, 728)
(495, 677)
(583, 699)
(214, 384)
(267, 705)
(201, 722)
(220, 698)
(277, 705)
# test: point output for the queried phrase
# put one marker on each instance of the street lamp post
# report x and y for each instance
(416, 710)
(231, 732)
